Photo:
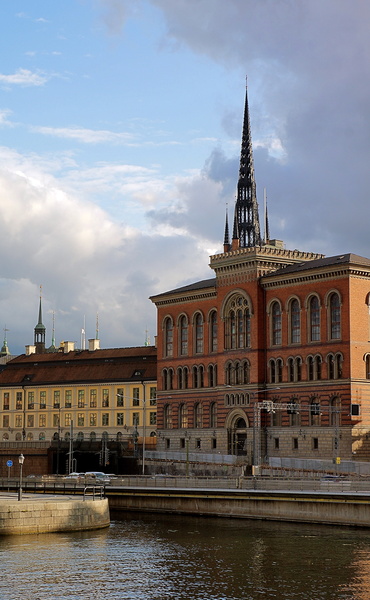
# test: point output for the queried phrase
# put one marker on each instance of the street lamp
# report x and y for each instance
(21, 461)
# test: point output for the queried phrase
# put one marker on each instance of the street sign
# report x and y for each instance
(9, 463)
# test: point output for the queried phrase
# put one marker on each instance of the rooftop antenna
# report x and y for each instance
(83, 336)
(97, 327)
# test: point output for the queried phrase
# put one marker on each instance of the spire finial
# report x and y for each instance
(226, 236)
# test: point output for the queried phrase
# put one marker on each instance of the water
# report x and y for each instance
(184, 558)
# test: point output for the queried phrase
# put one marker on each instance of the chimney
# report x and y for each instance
(94, 344)
(69, 347)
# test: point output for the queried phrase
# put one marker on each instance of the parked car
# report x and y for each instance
(97, 477)
(75, 476)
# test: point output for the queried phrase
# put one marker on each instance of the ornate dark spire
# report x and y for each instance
(246, 208)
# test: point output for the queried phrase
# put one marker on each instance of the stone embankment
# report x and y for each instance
(47, 514)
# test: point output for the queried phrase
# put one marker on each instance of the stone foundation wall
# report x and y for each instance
(41, 516)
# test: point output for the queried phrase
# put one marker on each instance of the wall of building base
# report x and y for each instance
(39, 516)
(329, 509)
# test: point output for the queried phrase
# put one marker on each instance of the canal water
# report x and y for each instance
(146, 557)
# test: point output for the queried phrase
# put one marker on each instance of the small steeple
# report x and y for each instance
(235, 244)
(5, 350)
(246, 208)
(39, 337)
(266, 237)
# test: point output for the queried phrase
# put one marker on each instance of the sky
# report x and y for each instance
(120, 132)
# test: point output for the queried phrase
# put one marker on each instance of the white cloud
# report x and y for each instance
(24, 77)
(86, 136)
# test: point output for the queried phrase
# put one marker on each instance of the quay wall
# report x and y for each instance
(46, 516)
(336, 508)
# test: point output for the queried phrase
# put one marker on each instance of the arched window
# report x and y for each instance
(198, 323)
(330, 362)
(212, 375)
(335, 412)
(183, 416)
(167, 379)
(228, 373)
(293, 413)
(198, 416)
(295, 322)
(245, 372)
(276, 324)
(167, 416)
(168, 337)
(213, 415)
(279, 371)
(213, 331)
(290, 369)
(334, 317)
(314, 412)
(314, 316)
(367, 366)
(310, 368)
(183, 327)
(237, 323)
(298, 368)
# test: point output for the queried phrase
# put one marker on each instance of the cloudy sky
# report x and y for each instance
(120, 124)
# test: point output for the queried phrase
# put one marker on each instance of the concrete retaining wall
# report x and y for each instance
(41, 516)
(326, 508)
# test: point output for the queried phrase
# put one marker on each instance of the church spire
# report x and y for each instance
(246, 207)
(39, 338)
(226, 236)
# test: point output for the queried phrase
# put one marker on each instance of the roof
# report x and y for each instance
(98, 366)
(329, 261)
(198, 285)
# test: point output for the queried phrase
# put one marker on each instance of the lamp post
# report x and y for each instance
(21, 461)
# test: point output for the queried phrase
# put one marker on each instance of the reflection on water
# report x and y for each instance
(183, 558)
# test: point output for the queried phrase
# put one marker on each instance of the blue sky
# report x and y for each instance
(120, 124)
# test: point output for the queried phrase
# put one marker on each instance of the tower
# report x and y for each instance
(246, 206)
(39, 337)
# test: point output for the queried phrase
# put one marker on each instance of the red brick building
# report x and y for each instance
(270, 357)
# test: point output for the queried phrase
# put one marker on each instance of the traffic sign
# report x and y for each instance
(9, 463)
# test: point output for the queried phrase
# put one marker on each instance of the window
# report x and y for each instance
(56, 396)
(120, 420)
(295, 322)
(212, 375)
(168, 337)
(167, 417)
(67, 419)
(183, 416)
(335, 412)
(42, 400)
(153, 418)
(30, 421)
(293, 413)
(295, 443)
(80, 420)
(105, 419)
(42, 420)
(5, 420)
(19, 401)
(18, 421)
(213, 415)
(105, 400)
(81, 398)
(276, 443)
(198, 415)
(355, 410)
(237, 323)
(135, 419)
(120, 397)
(290, 369)
(314, 316)
(198, 323)
(367, 366)
(68, 399)
(31, 400)
(55, 420)
(334, 317)
(6, 401)
(315, 412)
(198, 444)
(315, 443)
(167, 378)
(183, 327)
(93, 400)
(93, 419)
(213, 331)
(276, 370)
(153, 396)
(135, 396)
(276, 324)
